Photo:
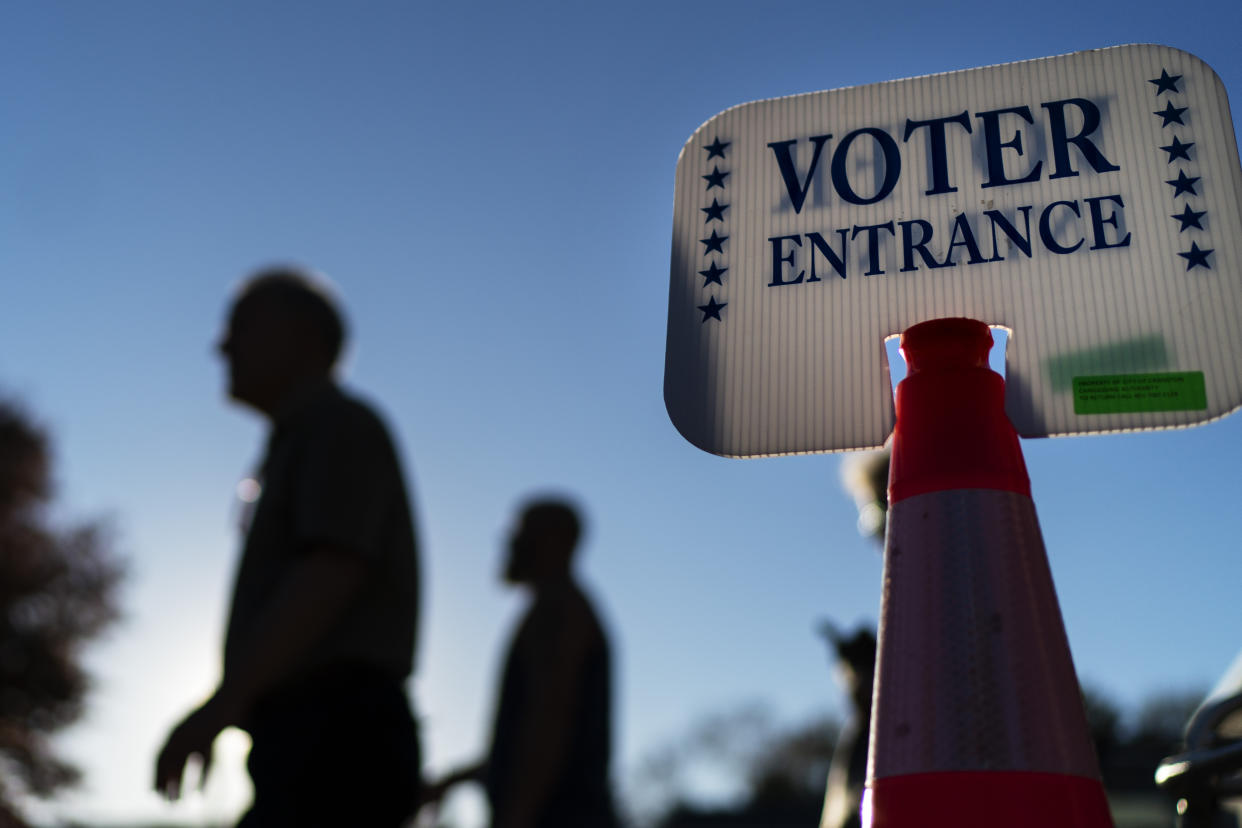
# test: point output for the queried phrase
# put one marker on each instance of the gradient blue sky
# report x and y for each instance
(490, 187)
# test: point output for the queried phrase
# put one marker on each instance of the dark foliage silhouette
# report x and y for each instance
(778, 772)
(57, 592)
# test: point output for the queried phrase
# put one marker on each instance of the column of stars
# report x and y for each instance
(1183, 184)
(714, 243)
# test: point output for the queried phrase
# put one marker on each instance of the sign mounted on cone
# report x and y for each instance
(1090, 203)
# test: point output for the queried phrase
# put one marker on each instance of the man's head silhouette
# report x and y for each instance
(542, 546)
(284, 334)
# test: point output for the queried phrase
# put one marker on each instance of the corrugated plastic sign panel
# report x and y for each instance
(1089, 203)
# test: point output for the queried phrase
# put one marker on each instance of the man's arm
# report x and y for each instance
(314, 595)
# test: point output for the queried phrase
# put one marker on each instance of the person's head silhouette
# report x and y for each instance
(284, 334)
(542, 546)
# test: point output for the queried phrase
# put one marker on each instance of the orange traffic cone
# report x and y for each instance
(978, 721)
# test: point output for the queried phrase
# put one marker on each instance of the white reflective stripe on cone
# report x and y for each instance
(974, 668)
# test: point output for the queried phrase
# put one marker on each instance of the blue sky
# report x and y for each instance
(490, 187)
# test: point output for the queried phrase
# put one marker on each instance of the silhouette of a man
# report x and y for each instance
(321, 632)
(551, 739)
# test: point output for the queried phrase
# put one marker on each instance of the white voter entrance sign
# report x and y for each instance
(1088, 203)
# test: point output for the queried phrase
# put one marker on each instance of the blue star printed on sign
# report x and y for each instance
(715, 178)
(1178, 150)
(713, 274)
(715, 211)
(1183, 184)
(1196, 257)
(716, 148)
(712, 309)
(1166, 82)
(714, 242)
(1171, 114)
(1189, 218)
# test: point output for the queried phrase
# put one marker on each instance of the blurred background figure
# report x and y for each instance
(847, 776)
(322, 627)
(548, 766)
(864, 475)
(57, 592)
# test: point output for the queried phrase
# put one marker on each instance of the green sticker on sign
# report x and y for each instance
(1130, 393)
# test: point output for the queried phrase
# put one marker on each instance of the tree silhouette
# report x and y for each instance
(57, 591)
(778, 772)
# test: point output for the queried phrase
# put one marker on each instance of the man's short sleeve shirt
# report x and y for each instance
(331, 480)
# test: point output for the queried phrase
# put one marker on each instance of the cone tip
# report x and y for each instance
(946, 343)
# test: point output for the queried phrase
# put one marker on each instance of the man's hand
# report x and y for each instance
(193, 737)
(315, 593)
(432, 792)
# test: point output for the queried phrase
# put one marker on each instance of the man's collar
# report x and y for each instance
(302, 399)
